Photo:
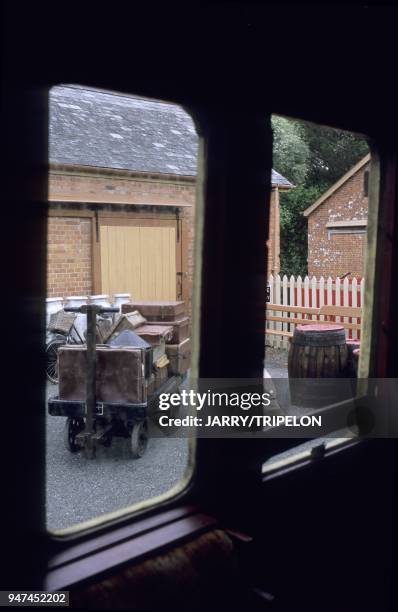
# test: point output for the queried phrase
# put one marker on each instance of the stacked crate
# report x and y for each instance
(178, 345)
(157, 336)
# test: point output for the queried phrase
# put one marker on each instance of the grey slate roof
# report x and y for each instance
(278, 179)
(93, 128)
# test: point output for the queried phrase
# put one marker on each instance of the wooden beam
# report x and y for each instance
(340, 311)
(295, 309)
(296, 321)
(279, 332)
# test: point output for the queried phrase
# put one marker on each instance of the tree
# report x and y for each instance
(312, 157)
(293, 228)
(290, 151)
(332, 152)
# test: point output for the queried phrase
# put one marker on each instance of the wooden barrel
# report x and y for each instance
(355, 356)
(317, 352)
(352, 365)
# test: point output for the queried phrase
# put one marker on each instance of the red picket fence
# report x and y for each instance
(314, 293)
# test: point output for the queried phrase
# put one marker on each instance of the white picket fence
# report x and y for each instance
(312, 293)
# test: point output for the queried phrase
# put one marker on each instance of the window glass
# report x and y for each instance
(122, 183)
(318, 229)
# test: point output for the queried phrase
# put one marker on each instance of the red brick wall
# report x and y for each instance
(69, 269)
(70, 258)
(116, 188)
(337, 253)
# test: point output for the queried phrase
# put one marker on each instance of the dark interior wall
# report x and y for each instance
(325, 531)
(23, 381)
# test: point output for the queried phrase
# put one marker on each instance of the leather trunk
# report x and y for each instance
(120, 374)
(179, 356)
(155, 334)
(130, 321)
(157, 311)
(180, 329)
(128, 337)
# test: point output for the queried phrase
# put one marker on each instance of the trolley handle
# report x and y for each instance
(94, 307)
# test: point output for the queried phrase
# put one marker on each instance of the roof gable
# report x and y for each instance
(106, 130)
(337, 185)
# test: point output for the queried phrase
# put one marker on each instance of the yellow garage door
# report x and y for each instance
(139, 260)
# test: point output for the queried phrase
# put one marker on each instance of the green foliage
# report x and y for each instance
(293, 226)
(290, 151)
(313, 158)
(332, 153)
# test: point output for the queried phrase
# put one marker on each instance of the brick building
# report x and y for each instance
(122, 185)
(337, 224)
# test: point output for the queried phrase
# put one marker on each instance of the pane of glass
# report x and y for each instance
(122, 180)
(316, 272)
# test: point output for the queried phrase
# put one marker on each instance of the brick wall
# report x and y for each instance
(70, 265)
(332, 253)
(119, 187)
(69, 269)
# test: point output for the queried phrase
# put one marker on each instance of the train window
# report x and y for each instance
(317, 339)
(120, 250)
(122, 201)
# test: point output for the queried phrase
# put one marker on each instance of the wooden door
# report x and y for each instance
(139, 259)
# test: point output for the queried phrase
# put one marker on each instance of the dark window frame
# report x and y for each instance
(136, 523)
(27, 198)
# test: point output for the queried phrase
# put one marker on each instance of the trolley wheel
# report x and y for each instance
(73, 426)
(139, 439)
(52, 359)
(107, 441)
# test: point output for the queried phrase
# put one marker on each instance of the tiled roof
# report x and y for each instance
(278, 179)
(105, 130)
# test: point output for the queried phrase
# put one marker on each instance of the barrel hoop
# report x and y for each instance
(319, 339)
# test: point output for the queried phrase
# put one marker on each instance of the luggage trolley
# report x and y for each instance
(90, 423)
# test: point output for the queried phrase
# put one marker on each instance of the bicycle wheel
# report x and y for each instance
(52, 359)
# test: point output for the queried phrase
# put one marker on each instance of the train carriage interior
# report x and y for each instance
(321, 532)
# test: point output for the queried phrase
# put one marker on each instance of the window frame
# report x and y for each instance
(139, 515)
(206, 480)
(24, 539)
